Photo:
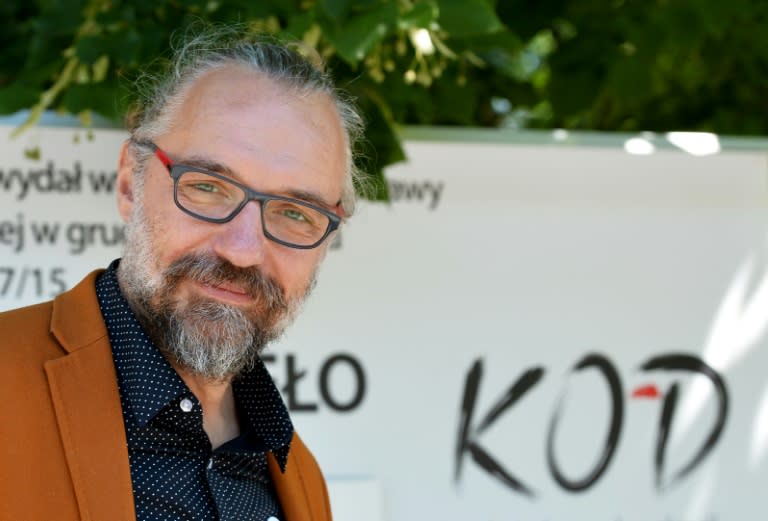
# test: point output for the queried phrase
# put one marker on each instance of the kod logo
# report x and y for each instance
(470, 430)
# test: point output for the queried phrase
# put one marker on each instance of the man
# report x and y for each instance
(139, 394)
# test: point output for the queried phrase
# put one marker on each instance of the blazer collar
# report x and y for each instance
(87, 403)
(76, 319)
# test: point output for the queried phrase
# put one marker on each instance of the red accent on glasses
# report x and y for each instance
(162, 157)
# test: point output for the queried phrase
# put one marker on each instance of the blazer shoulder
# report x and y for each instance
(22, 328)
(19, 315)
(50, 329)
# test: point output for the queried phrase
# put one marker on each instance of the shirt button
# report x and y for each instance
(272, 518)
(186, 405)
(210, 465)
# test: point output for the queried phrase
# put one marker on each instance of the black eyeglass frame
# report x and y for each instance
(177, 169)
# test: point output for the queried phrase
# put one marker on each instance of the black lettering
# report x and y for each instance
(7, 182)
(435, 190)
(604, 366)
(466, 439)
(57, 281)
(45, 232)
(8, 275)
(70, 181)
(76, 235)
(416, 191)
(101, 181)
(82, 235)
(44, 180)
(12, 233)
(6, 179)
(692, 364)
(325, 391)
(290, 388)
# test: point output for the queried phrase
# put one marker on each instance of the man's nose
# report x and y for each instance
(241, 241)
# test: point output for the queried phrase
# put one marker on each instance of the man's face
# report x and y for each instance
(211, 295)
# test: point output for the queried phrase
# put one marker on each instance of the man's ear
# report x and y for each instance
(125, 181)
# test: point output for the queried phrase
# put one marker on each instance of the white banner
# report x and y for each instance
(527, 332)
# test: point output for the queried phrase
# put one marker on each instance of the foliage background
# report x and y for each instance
(621, 65)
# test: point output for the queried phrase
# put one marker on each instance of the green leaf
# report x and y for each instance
(16, 97)
(125, 45)
(90, 48)
(468, 17)
(502, 51)
(98, 97)
(457, 103)
(578, 74)
(336, 10)
(297, 26)
(630, 77)
(381, 146)
(100, 68)
(574, 91)
(58, 18)
(527, 18)
(32, 153)
(356, 38)
(116, 16)
(423, 14)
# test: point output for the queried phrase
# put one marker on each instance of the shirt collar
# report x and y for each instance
(265, 411)
(148, 383)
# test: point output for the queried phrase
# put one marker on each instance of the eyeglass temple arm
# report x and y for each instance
(164, 159)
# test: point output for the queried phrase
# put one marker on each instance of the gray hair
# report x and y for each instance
(159, 96)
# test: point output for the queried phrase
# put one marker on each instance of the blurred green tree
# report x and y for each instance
(581, 64)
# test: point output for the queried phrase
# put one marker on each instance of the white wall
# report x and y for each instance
(517, 259)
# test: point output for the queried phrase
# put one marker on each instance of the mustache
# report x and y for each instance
(213, 270)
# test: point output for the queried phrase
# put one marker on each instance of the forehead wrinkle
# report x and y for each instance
(207, 163)
(287, 161)
(310, 197)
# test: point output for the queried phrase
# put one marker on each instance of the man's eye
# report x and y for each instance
(294, 214)
(206, 187)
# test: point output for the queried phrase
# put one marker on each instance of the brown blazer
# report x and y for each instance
(63, 451)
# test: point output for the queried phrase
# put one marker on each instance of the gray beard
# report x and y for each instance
(202, 336)
(209, 339)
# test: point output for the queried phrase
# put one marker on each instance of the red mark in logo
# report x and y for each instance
(646, 391)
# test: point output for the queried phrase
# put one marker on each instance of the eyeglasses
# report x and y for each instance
(215, 198)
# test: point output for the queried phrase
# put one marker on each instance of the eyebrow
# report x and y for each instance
(209, 164)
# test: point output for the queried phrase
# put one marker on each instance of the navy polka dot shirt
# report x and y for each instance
(175, 474)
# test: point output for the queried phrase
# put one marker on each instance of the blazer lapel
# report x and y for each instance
(301, 488)
(87, 403)
(290, 490)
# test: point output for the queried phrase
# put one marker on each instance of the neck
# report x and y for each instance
(218, 403)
